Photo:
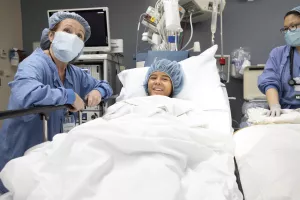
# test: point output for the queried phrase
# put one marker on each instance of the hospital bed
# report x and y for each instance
(213, 99)
(267, 156)
(44, 110)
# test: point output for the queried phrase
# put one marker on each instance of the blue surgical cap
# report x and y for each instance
(296, 9)
(57, 18)
(172, 69)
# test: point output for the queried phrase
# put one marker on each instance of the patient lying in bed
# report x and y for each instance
(147, 148)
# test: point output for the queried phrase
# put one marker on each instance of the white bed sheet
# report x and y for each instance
(212, 119)
(134, 152)
(269, 162)
(218, 119)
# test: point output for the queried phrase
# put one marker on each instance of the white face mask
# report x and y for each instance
(66, 46)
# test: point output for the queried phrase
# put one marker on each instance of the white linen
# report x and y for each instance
(258, 116)
(147, 148)
(187, 111)
(269, 162)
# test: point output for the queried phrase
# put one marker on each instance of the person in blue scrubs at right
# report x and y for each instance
(280, 78)
(46, 77)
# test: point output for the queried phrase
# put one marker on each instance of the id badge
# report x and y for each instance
(69, 123)
(297, 88)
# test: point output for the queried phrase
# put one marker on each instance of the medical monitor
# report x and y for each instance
(98, 19)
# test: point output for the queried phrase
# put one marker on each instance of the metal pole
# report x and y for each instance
(45, 127)
(79, 116)
(100, 110)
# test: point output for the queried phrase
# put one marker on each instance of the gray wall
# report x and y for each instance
(123, 19)
(11, 36)
(246, 24)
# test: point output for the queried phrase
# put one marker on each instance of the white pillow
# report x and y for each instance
(201, 82)
(132, 81)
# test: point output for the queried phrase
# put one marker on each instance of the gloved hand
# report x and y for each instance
(93, 98)
(275, 111)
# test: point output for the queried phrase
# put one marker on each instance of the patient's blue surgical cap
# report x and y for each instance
(57, 18)
(296, 9)
(172, 69)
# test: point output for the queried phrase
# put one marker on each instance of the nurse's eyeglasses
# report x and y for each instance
(291, 28)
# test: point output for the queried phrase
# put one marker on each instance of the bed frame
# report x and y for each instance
(44, 111)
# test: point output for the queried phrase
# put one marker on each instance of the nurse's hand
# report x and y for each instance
(77, 105)
(275, 111)
(93, 98)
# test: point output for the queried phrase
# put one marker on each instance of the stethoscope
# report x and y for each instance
(292, 82)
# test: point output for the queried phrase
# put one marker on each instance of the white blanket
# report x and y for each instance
(258, 116)
(147, 148)
(186, 111)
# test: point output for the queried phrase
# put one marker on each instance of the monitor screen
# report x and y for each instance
(98, 21)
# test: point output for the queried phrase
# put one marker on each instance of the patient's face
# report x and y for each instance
(159, 84)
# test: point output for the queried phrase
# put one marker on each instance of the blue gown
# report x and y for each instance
(277, 74)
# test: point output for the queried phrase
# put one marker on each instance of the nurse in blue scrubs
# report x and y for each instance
(46, 77)
(280, 80)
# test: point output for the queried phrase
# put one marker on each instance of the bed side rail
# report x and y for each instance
(41, 110)
(28, 111)
(238, 179)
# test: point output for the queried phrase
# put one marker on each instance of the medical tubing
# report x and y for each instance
(162, 33)
(192, 32)
(157, 4)
(137, 34)
(182, 38)
(221, 28)
(176, 48)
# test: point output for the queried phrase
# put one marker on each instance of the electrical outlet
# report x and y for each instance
(3, 53)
